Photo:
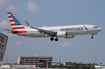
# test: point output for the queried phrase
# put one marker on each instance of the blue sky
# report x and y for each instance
(51, 13)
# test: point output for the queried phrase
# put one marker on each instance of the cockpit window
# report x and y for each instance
(95, 27)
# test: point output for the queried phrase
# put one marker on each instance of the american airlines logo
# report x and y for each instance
(86, 28)
(74, 29)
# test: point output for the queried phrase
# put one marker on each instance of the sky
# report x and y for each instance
(53, 13)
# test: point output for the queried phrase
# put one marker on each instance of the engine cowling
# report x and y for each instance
(64, 34)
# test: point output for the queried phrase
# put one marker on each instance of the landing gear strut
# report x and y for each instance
(92, 37)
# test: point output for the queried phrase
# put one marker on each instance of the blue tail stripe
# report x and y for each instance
(11, 14)
(18, 24)
(15, 19)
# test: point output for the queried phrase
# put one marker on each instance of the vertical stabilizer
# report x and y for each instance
(15, 24)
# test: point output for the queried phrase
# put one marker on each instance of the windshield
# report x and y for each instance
(95, 27)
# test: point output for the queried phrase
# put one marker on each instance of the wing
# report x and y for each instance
(48, 32)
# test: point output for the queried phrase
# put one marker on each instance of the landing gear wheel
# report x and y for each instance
(56, 39)
(51, 38)
(92, 37)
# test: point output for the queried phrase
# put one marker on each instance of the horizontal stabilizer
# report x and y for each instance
(9, 30)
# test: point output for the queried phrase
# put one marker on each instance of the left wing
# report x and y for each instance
(48, 32)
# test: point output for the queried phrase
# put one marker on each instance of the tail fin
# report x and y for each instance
(15, 24)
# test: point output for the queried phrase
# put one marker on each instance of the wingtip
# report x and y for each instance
(27, 23)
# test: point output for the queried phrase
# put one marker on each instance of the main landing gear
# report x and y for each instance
(92, 36)
(52, 38)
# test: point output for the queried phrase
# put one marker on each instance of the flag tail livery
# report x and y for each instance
(54, 32)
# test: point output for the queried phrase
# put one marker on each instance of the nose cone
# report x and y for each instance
(100, 29)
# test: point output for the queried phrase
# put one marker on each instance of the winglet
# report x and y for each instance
(27, 24)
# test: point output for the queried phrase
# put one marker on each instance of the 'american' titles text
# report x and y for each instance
(72, 29)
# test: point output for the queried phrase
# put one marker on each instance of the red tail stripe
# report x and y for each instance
(11, 20)
(13, 24)
(9, 16)
(19, 32)
(8, 12)
(17, 28)
(22, 31)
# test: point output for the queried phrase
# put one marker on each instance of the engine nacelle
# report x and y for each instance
(64, 34)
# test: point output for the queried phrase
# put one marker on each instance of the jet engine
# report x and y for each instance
(64, 34)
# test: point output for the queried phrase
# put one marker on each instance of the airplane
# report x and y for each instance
(54, 32)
